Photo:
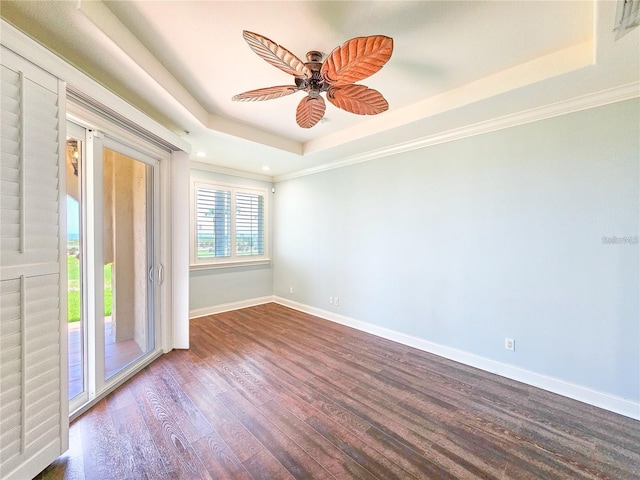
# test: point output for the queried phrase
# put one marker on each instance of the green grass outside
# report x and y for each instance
(73, 293)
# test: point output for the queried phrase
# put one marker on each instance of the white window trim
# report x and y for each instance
(233, 260)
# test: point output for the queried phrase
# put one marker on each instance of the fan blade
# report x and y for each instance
(356, 59)
(357, 99)
(310, 111)
(268, 93)
(276, 55)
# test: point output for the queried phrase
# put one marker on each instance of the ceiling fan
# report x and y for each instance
(355, 60)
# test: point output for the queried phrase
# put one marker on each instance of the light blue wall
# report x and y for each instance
(493, 236)
(211, 288)
(215, 287)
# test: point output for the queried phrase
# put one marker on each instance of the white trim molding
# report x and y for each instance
(208, 167)
(577, 104)
(228, 307)
(606, 401)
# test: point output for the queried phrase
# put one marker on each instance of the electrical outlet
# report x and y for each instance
(336, 301)
(510, 344)
(330, 300)
(290, 289)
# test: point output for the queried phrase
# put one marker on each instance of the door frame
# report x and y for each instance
(100, 134)
(77, 131)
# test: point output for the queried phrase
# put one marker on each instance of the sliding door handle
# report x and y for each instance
(160, 274)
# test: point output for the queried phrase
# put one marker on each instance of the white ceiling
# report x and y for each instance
(454, 63)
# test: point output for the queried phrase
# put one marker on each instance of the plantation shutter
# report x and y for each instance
(249, 224)
(213, 222)
(230, 224)
(33, 412)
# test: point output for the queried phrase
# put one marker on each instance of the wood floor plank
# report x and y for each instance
(140, 456)
(180, 459)
(177, 363)
(361, 451)
(297, 461)
(326, 453)
(241, 441)
(120, 398)
(219, 460)
(264, 466)
(191, 421)
(268, 392)
(102, 456)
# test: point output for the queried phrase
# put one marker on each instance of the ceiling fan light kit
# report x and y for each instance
(355, 60)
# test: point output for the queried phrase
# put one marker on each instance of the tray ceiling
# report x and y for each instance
(454, 64)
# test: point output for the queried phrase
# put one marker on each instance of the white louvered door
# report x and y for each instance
(33, 403)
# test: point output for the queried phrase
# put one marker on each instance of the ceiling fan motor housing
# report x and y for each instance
(316, 83)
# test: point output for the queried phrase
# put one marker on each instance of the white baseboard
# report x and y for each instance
(228, 307)
(606, 401)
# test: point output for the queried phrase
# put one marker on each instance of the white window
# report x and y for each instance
(229, 224)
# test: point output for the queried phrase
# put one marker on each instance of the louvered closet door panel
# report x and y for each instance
(10, 162)
(29, 198)
(30, 341)
(31, 394)
(11, 373)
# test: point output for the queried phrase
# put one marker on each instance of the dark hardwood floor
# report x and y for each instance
(270, 393)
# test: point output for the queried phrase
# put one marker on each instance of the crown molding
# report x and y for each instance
(207, 167)
(584, 102)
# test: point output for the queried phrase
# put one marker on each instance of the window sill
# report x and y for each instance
(231, 264)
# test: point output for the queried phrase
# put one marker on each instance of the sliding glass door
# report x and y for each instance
(76, 316)
(112, 193)
(128, 260)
